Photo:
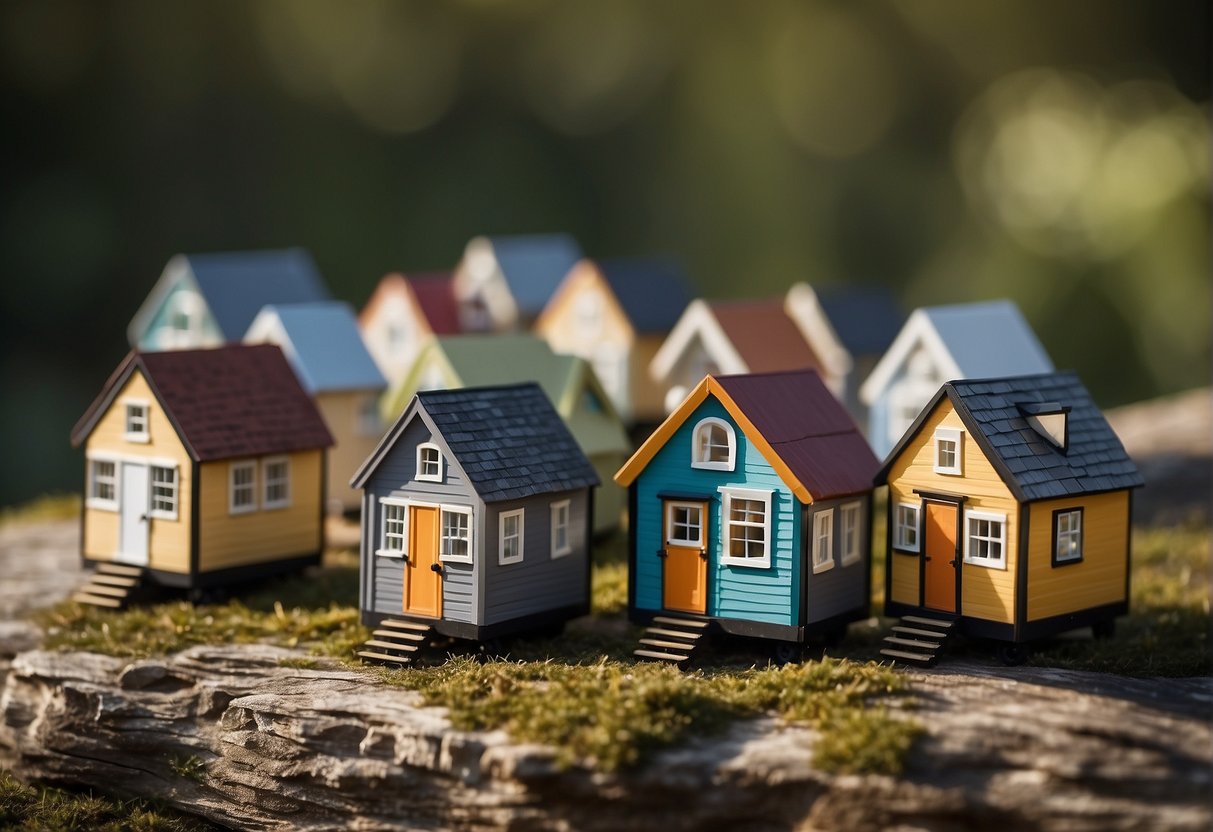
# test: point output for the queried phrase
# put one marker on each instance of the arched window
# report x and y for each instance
(429, 462)
(714, 445)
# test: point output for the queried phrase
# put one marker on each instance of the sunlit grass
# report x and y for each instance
(47, 507)
(37, 809)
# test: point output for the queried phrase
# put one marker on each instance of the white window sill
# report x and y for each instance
(987, 563)
(141, 438)
(273, 506)
(851, 561)
(712, 466)
(389, 553)
(238, 510)
(818, 568)
(162, 515)
(428, 478)
(751, 563)
(455, 559)
(561, 553)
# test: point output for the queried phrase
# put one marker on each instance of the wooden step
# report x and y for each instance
(400, 634)
(941, 623)
(383, 657)
(915, 631)
(120, 569)
(681, 622)
(659, 631)
(672, 645)
(660, 655)
(397, 624)
(906, 656)
(389, 645)
(912, 642)
(94, 588)
(96, 600)
(114, 580)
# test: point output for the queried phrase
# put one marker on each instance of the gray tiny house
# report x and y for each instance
(476, 519)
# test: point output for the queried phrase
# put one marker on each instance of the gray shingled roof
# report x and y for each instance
(1033, 468)
(509, 441)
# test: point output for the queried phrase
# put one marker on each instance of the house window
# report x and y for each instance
(986, 539)
(747, 527)
(369, 423)
(1067, 536)
(509, 544)
(429, 462)
(277, 477)
(456, 543)
(849, 533)
(242, 487)
(562, 543)
(136, 422)
(103, 484)
(393, 530)
(684, 524)
(164, 492)
(905, 527)
(948, 450)
(823, 540)
(714, 445)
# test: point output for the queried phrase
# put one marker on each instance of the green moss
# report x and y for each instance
(191, 767)
(32, 809)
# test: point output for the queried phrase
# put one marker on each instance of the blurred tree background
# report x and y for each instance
(1054, 153)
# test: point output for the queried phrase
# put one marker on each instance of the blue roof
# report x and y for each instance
(534, 265)
(653, 291)
(237, 284)
(989, 339)
(866, 319)
(325, 347)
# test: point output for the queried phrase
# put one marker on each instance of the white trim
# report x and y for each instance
(466, 511)
(696, 320)
(826, 515)
(730, 435)
(142, 437)
(728, 494)
(418, 475)
(898, 542)
(803, 307)
(232, 467)
(520, 513)
(383, 550)
(955, 436)
(854, 554)
(100, 503)
(554, 508)
(285, 500)
(918, 330)
(118, 456)
(992, 517)
(162, 514)
(669, 523)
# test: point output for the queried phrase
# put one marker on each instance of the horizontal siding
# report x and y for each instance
(458, 592)
(842, 588)
(389, 585)
(1100, 578)
(396, 473)
(905, 577)
(341, 412)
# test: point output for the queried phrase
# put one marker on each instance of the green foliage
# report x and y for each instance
(32, 809)
(191, 767)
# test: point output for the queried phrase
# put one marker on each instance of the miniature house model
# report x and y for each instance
(503, 283)
(476, 516)
(322, 344)
(207, 300)
(750, 510)
(1009, 510)
(203, 467)
(941, 343)
(401, 317)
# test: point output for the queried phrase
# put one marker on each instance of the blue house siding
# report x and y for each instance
(769, 595)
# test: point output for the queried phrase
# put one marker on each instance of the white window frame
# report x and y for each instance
(383, 550)
(669, 523)
(991, 517)
(100, 502)
(232, 468)
(142, 436)
(955, 436)
(1077, 532)
(466, 511)
(899, 527)
(285, 500)
(730, 435)
(728, 494)
(556, 508)
(175, 485)
(850, 550)
(823, 530)
(520, 513)
(423, 477)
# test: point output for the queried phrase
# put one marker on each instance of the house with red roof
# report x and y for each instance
(750, 508)
(203, 468)
(402, 315)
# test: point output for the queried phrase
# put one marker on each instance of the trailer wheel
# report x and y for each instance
(1012, 654)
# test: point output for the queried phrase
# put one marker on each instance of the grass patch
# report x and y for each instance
(47, 507)
(35, 809)
(613, 715)
(191, 767)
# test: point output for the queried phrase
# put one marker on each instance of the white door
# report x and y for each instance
(132, 540)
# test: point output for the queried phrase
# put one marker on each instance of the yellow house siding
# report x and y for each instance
(230, 540)
(986, 593)
(1100, 578)
(169, 540)
(648, 397)
(342, 413)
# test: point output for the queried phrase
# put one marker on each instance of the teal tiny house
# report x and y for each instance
(750, 510)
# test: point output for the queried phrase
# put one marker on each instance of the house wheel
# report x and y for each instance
(1012, 654)
(1104, 629)
(786, 652)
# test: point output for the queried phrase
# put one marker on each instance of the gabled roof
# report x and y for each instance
(227, 402)
(237, 284)
(533, 266)
(800, 428)
(652, 291)
(322, 343)
(433, 293)
(509, 441)
(865, 318)
(995, 412)
(763, 335)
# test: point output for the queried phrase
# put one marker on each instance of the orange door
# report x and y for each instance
(685, 575)
(939, 590)
(422, 583)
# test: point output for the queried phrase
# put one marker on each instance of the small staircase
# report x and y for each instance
(917, 639)
(671, 639)
(396, 642)
(111, 587)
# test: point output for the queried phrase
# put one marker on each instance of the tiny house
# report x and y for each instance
(1009, 506)
(476, 518)
(502, 283)
(750, 510)
(403, 314)
(203, 467)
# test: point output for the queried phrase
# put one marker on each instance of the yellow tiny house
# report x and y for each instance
(202, 467)
(1008, 511)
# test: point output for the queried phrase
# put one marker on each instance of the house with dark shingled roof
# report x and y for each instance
(476, 516)
(1009, 506)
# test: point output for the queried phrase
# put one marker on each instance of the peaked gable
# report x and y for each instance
(533, 266)
(764, 336)
(323, 345)
(651, 291)
(236, 285)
